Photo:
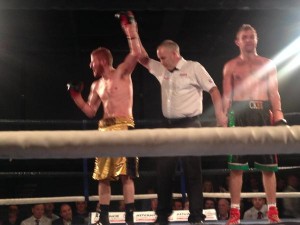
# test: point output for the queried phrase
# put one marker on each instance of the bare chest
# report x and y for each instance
(250, 73)
(113, 88)
(107, 88)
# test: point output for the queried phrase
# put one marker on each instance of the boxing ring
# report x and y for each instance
(149, 142)
(206, 141)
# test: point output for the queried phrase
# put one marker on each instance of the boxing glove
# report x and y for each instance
(125, 17)
(75, 86)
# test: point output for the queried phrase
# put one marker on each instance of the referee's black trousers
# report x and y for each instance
(166, 168)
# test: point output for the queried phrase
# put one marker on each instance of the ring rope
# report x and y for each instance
(24, 201)
(141, 173)
(149, 142)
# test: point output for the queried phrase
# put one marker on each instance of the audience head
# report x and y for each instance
(223, 207)
(66, 212)
(154, 204)
(258, 203)
(177, 204)
(208, 186)
(81, 206)
(209, 203)
(38, 210)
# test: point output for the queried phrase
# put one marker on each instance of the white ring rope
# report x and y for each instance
(150, 142)
(23, 201)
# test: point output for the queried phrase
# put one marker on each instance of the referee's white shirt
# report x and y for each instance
(182, 89)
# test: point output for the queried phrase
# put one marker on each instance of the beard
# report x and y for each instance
(98, 72)
(97, 75)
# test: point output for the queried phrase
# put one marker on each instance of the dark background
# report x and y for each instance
(45, 44)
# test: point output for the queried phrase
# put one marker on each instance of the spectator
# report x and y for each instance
(252, 185)
(225, 186)
(223, 209)
(13, 208)
(12, 219)
(209, 203)
(291, 206)
(154, 204)
(67, 217)
(258, 210)
(121, 206)
(208, 186)
(177, 204)
(81, 210)
(38, 216)
(49, 211)
(147, 203)
(186, 205)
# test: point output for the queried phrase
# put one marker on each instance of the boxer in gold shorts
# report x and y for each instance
(113, 90)
(112, 168)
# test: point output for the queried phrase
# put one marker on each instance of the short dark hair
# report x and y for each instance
(245, 27)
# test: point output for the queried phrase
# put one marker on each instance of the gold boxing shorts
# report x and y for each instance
(112, 168)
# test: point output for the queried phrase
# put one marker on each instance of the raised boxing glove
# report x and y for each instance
(125, 17)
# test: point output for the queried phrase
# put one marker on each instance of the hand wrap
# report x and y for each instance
(75, 86)
(281, 122)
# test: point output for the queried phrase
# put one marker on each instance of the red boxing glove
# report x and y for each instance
(125, 17)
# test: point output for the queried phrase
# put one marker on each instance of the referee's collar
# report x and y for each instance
(180, 63)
